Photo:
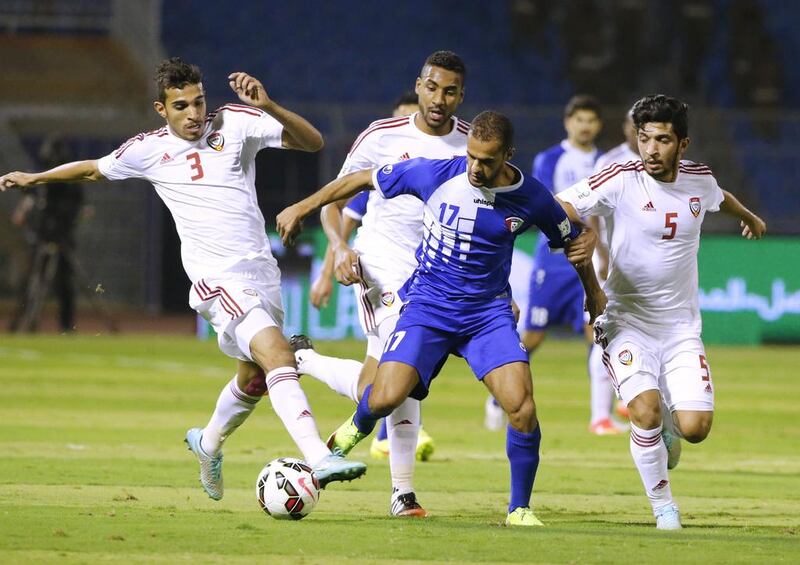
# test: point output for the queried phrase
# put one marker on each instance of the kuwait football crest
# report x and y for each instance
(625, 357)
(216, 141)
(694, 206)
(513, 223)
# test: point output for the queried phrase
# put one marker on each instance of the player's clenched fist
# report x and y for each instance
(754, 229)
(16, 180)
(249, 89)
(579, 251)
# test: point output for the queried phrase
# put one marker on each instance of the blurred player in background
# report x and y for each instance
(382, 257)
(556, 296)
(459, 298)
(650, 332)
(203, 168)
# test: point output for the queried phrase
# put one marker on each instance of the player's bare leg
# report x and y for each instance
(512, 386)
(650, 454)
(693, 425)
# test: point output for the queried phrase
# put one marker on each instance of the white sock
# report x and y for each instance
(233, 408)
(402, 426)
(291, 405)
(602, 393)
(650, 456)
(341, 375)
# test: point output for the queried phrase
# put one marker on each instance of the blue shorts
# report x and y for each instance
(555, 298)
(425, 335)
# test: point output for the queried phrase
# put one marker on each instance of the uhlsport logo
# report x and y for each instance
(387, 298)
(216, 141)
(694, 206)
(625, 357)
(513, 223)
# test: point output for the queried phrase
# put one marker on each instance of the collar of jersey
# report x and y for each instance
(412, 120)
(510, 187)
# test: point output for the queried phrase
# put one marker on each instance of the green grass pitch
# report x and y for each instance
(93, 468)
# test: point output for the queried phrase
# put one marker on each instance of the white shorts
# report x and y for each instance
(377, 302)
(239, 303)
(639, 359)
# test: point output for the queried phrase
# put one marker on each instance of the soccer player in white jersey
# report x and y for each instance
(459, 299)
(203, 168)
(382, 257)
(650, 332)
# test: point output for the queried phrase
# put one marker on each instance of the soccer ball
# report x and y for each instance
(287, 489)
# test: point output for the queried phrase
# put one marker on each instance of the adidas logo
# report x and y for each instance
(404, 157)
(661, 484)
(403, 422)
(649, 207)
(166, 158)
(305, 414)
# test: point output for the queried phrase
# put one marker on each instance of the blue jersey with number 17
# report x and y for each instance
(469, 232)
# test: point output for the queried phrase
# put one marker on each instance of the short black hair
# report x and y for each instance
(583, 102)
(489, 125)
(446, 60)
(662, 108)
(408, 97)
(175, 73)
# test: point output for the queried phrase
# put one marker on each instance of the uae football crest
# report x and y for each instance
(694, 206)
(216, 141)
(513, 223)
(387, 298)
(625, 357)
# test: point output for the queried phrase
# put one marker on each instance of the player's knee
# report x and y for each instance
(645, 413)
(697, 431)
(522, 416)
(382, 402)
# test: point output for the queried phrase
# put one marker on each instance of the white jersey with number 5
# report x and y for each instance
(208, 185)
(654, 234)
(391, 230)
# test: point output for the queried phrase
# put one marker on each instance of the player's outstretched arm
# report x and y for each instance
(298, 133)
(338, 228)
(290, 220)
(77, 171)
(753, 227)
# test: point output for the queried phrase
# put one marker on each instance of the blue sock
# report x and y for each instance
(523, 456)
(382, 433)
(365, 419)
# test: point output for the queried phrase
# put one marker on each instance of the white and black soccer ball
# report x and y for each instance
(287, 489)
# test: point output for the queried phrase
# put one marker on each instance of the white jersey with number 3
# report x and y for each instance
(654, 234)
(208, 185)
(391, 230)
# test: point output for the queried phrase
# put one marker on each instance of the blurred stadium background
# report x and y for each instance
(83, 68)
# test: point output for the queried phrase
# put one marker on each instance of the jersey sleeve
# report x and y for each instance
(715, 196)
(357, 206)
(264, 130)
(124, 163)
(552, 220)
(418, 177)
(596, 195)
(543, 168)
(361, 156)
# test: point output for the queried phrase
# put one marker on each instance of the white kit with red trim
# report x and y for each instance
(653, 233)
(208, 185)
(391, 230)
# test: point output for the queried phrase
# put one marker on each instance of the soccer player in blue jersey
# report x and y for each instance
(556, 296)
(458, 300)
